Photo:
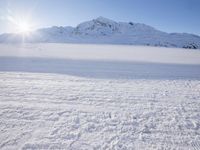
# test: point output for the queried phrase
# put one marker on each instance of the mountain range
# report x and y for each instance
(105, 31)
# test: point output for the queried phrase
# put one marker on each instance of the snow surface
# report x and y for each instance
(103, 30)
(65, 96)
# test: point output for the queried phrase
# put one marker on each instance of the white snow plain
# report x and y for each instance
(69, 96)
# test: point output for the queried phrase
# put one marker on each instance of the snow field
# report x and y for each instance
(48, 111)
(43, 108)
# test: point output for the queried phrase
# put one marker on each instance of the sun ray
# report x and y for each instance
(21, 24)
(24, 27)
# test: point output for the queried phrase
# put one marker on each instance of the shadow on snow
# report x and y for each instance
(101, 69)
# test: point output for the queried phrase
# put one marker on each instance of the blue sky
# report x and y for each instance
(165, 15)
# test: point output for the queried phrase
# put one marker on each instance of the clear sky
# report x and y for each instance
(165, 15)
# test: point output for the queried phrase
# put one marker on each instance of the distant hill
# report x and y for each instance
(106, 31)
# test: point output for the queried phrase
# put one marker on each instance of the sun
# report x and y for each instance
(23, 27)
(23, 24)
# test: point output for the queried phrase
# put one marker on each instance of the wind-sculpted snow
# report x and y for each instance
(52, 111)
(105, 31)
(55, 96)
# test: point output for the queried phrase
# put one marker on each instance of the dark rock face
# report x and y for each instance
(131, 23)
(191, 46)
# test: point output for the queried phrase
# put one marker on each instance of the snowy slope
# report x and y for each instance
(71, 97)
(103, 30)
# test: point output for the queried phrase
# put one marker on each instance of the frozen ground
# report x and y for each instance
(57, 96)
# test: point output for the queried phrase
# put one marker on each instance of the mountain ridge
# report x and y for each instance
(106, 31)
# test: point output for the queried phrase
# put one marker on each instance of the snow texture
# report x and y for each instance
(106, 31)
(62, 96)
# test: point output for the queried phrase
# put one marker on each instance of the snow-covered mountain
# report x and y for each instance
(103, 30)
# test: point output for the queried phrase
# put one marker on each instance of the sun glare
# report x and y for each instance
(21, 24)
(23, 27)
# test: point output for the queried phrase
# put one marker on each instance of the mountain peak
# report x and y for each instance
(104, 30)
(103, 19)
